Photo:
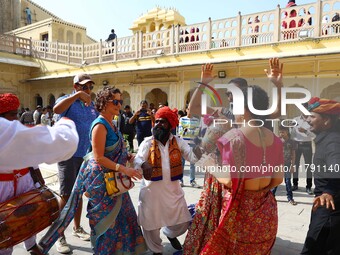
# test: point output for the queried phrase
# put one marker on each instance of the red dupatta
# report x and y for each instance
(226, 227)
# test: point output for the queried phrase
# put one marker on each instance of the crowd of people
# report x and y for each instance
(93, 145)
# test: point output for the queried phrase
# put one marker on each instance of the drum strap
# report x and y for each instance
(14, 177)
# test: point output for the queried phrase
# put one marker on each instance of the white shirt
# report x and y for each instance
(298, 136)
(21, 146)
(162, 203)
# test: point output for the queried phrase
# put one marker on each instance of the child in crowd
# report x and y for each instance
(289, 148)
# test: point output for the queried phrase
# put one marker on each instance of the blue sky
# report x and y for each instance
(100, 16)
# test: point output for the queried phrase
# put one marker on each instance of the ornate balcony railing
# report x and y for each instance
(314, 20)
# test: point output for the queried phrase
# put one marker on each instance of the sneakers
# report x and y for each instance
(81, 233)
(292, 202)
(295, 187)
(62, 246)
(194, 184)
(309, 191)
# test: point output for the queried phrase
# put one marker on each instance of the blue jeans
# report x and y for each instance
(288, 184)
(192, 167)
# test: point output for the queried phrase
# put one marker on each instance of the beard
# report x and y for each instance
(160, 133)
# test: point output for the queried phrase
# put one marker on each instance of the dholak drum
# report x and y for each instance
(25, 215)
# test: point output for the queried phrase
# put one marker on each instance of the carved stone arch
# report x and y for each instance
(69, 36)
(331, 92)
(61, 37)
(51, 100)
(126, 98)
(38, 100)
(78, 38)
(156, 96)
(152, 27)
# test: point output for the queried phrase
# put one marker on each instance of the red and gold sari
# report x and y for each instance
(248, 219)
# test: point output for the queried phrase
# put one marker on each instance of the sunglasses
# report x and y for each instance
(116, 102)
(86, 87)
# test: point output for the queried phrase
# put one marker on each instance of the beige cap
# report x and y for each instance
(82, 78)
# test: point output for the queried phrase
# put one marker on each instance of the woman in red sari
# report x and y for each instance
(246, 210)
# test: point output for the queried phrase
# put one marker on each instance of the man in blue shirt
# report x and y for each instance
(79, 108)
(143, 118)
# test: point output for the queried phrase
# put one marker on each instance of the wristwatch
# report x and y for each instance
(117, 167)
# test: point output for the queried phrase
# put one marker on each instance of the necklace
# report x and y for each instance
(108, 121)
(262, 140)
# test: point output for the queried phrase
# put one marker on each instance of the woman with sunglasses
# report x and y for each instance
(113, 219)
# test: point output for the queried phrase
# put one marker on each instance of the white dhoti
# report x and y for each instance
(153, 240)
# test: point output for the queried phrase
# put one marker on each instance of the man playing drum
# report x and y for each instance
(36, 145)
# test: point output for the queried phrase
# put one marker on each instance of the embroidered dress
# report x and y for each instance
(113, 220)
(243, 226)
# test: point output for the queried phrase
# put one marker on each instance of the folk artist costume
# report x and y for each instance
(225, 219)
(161, 199)
(113, 220)
(36, 145)
(324, 229)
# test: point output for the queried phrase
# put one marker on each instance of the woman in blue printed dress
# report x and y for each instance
(113, 219)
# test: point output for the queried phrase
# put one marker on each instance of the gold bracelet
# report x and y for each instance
(117, 167)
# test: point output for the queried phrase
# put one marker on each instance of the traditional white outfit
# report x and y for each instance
(21, 146)
(162, 202)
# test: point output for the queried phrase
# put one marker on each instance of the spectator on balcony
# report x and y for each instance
(292, 22)
(336, 18)
(111, 39)
(325, 27)
(302, 22)
(28, 16)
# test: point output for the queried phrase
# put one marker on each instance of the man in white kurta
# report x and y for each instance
(162, 203)
(21, 147)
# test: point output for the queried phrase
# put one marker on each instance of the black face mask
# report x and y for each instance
(160, 133)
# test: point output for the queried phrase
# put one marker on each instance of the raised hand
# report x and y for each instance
(275, 73)
(207, 73)
(84, 97)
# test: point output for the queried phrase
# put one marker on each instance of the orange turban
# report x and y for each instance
(166, 113)
(8, 102)
(324, 106)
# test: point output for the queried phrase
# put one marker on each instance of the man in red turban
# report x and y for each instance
(166, 113)
(9, 104)
(324, 228)
(161, 200)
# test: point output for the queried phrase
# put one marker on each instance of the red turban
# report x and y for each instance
(166, 113)
(8, 102)
(324, 106)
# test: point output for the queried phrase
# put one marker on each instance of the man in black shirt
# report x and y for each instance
(129, 130)
(324, 229)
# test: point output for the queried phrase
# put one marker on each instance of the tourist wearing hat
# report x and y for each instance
(324, 228)
(161, 198)
(45, 145)
(79, 107)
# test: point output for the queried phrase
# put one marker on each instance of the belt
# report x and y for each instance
(14, 177)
